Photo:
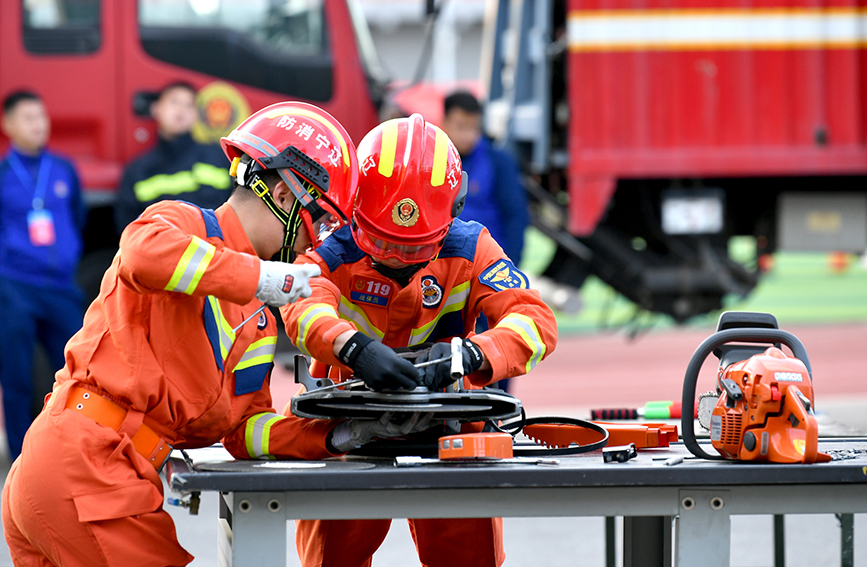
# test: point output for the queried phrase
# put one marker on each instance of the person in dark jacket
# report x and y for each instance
(496, 197)
(41, 222)
(178, 167)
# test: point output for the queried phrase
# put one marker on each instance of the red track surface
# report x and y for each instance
(610, 370)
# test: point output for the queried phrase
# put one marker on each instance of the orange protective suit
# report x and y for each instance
(159, 341)
(471, 274)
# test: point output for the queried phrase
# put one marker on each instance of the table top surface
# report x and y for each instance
(215, 470)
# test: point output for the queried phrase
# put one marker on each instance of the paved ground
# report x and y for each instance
(608, 370)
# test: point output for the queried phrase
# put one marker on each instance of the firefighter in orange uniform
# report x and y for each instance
(408, 271)
(175, 351)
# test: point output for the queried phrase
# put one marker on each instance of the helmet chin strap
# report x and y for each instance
(304, 211)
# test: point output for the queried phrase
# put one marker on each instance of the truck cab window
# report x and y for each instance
(276, 45)
(54, 27)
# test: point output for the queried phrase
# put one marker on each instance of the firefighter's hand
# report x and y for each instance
(438, 376)
(378, 365)
(357, 432)
(281, 283)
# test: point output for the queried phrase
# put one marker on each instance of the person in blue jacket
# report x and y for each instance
(177, 167)
(496, 197)
(41, 222)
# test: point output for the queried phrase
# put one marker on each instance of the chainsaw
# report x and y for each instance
(763, 408)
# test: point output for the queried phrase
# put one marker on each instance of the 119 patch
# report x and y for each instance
(504, 275)
(370, 291)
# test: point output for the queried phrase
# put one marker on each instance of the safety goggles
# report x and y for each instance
(382, 249)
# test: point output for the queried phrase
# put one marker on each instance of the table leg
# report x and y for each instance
(250, 534)
(703, 529)
(647, 541)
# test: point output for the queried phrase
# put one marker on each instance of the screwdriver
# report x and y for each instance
(651, 410)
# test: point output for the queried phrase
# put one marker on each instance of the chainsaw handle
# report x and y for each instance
(690, 379)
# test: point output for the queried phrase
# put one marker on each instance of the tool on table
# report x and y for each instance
(651, 410)
(619, 454)
(642, 435)
(762, 408)
(476, 446)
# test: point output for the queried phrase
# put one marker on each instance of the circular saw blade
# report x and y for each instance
(474, 405)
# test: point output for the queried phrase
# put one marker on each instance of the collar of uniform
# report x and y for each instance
(176, 145)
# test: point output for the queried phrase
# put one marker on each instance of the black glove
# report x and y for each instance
(438, 376)
(378, 365)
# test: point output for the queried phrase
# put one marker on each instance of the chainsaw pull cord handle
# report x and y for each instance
(690, 379)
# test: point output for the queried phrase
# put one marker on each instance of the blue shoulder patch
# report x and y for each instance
(212, 226)
(503, 274)
(461, 240)
(339, 248)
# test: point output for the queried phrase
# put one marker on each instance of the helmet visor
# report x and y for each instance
(382, 249)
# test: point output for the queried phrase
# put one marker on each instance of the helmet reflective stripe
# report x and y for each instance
(526, 328)
(319, 118)
(440, 160)
(257, 434)
(388, 149)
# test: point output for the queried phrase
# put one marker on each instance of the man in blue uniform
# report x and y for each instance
(41, 221)
(495, 197)
(178, 167)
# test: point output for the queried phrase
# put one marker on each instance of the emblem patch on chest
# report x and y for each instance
(263, 321)
(431, 292)
(371, 291)
(504, 275)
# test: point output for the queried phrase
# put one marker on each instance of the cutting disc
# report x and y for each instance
(473, 405)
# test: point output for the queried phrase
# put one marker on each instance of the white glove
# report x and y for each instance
(281, 283)
(357, 432)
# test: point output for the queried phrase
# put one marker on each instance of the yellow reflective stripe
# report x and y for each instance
(260, 352)
(388, 151)
(526, 328)
(191, 267)
(441, 159)
(227, 335)
(357, 316)
(181, 182)
(207, 174)
(257, 434)
(324, 121)
(456, 301)
(307, 319)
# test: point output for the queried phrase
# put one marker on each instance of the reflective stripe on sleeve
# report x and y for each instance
(182, 182)
(456, 301)
(260, 352)
(527, 330)
(357, 316)
(191, 267)
(307, 319)
(257, 434)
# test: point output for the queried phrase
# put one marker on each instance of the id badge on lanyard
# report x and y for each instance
(40, 221)
(40, 225)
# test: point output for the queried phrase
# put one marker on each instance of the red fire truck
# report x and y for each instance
(97, 64)
(658, 130)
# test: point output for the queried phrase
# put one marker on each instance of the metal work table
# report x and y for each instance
(258, 497)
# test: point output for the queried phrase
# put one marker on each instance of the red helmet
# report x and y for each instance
(311, 151)
(410, 189)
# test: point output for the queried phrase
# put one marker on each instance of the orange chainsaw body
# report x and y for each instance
(765, 411)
